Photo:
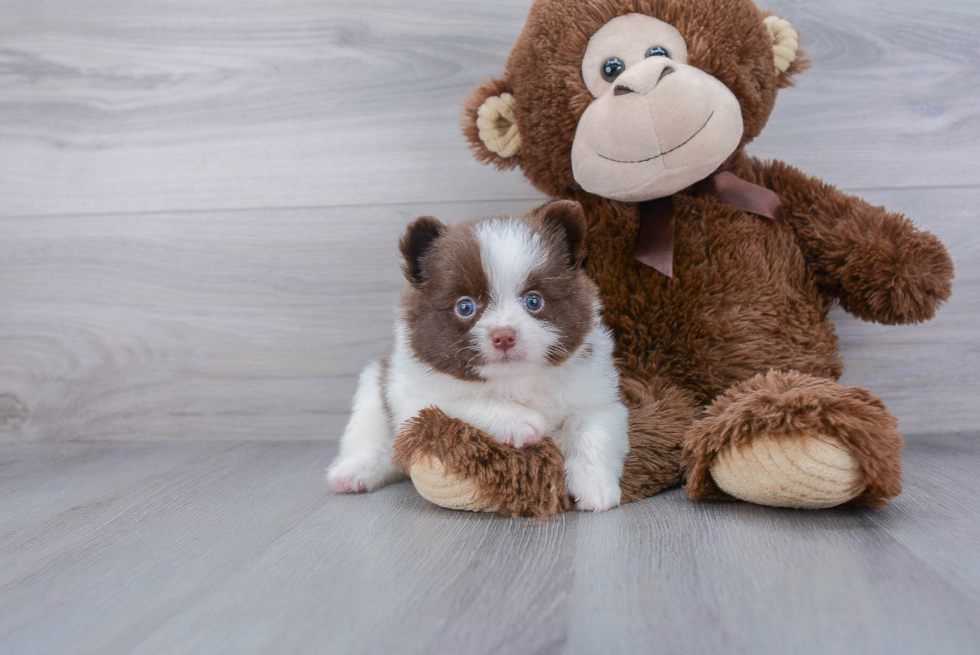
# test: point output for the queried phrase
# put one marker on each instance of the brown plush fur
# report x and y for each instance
(531, 482)
(528, 482)
(726, 38)
(793, 404)
(438, 277)
(742, 327)
(659, 416)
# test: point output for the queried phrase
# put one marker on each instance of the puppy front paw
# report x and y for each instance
(595, 493)
(526, 430)
(361, 474)
(529, 436)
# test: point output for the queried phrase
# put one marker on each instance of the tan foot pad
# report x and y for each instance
(808, 472)
(446, 490)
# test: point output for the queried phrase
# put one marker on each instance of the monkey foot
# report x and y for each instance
(445, 489)
(786, 439)
(810, 471)
(456, 466)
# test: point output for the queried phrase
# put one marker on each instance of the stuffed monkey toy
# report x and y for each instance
(716, 270)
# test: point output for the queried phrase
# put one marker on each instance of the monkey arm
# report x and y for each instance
(455, 465)
(875, 263)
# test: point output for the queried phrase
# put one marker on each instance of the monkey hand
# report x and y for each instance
(457, 466)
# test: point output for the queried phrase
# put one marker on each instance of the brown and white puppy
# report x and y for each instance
(500, 327)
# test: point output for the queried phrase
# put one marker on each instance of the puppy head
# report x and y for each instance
(498, 296)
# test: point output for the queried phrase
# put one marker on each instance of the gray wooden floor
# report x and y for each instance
(199, 206)
(236, 548)
(200, 201)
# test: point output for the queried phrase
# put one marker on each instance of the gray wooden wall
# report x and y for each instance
(200, 199)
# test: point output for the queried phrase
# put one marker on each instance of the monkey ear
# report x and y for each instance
(787, 56)
(567, 219)
(418, 240)
(490, 123)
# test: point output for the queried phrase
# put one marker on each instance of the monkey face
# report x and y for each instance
(632, 100)
(656, 125)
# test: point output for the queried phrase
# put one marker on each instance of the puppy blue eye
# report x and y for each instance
(465, 308)
(533, 302)
(612, 68)
(657, 51)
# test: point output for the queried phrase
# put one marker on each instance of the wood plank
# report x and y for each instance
(78, 475)
(226, 325)
(740, 578)
(878, 108)
(190, 106)
(928, 374)
(194, 536)
(140, 555)
(938, 519)
(116, 107)
(390, 573)
(247, 551)
(254, 325)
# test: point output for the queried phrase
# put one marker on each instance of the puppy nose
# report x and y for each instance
(503, 338)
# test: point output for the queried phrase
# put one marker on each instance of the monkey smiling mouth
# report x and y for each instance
(641, 161)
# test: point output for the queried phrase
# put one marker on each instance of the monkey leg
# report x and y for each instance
(457, 466)
(660, 417)
(787, 439)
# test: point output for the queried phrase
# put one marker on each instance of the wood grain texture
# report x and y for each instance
(928, 374)
(204, 326)
(255, 324)
(199, 206)
(768, 581)
(243, 549)
(111, 106)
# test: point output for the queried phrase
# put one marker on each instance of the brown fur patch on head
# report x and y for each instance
(451, 266)
(725, 38)
(563, 221)
(570, 295)
(418, 239)
(448, 270)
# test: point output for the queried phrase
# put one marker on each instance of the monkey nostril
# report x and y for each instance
(622, 89)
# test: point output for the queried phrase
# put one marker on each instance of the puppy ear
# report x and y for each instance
(490, 124)
(418, 240)
(787, 56)
(566, 218)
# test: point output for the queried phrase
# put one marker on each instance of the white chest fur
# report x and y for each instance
(529, 402)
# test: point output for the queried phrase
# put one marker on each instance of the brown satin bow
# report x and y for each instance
(655, 238)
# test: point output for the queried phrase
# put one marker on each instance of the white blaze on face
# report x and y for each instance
(510, 253)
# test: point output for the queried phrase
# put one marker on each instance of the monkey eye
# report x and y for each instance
(657, 51)
(612, 68)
